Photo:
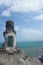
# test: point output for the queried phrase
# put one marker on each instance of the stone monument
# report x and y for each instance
(9, 35)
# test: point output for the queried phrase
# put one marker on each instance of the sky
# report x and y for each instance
(27, 16)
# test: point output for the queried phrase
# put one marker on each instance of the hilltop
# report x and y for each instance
(17, 58)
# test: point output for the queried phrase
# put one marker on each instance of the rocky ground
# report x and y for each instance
(17, 58)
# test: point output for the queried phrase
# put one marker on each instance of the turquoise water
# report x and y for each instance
(29, 44)
(31, 48)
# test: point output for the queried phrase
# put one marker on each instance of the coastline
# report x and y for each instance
(33, 51)
(18, 59)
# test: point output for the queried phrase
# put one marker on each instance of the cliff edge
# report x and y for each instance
(17, 58)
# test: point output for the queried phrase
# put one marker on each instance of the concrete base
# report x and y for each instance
(11, 50)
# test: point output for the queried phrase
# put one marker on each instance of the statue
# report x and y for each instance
(9, 35)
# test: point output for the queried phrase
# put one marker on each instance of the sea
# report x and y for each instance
(31, 48)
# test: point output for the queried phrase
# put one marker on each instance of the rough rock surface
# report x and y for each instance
(18, 58)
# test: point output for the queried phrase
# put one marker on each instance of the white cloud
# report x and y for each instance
(26, 5)
(30, 34)
(41, 27)
(39, 17)
(17, 28)
(22, 5)
(5, 3)
(6, 13)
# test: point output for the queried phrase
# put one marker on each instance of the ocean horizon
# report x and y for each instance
(26, 44)
(31, 48)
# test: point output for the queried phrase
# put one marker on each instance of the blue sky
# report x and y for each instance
(27, 16)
